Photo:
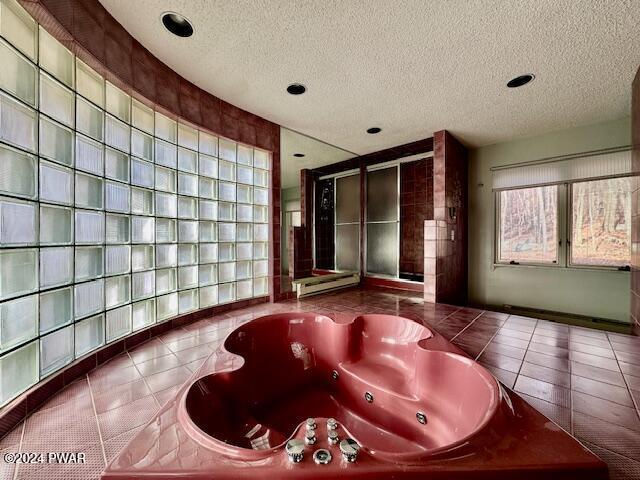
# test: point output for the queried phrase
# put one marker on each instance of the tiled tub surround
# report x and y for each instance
(586, 381)
(113, 216)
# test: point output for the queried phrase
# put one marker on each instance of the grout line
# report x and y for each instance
(466, 326)
(635, 403)
(571, 415)
(144, 379)
(17, 465)
(525, 355)
(93, 404)
(491, 340)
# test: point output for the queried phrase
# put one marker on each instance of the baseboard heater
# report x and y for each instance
(324, 283)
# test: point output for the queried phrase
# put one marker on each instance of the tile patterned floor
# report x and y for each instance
(587, 381)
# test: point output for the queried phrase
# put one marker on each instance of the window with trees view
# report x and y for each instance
(597, 214)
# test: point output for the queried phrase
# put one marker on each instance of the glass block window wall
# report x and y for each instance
(112, 216)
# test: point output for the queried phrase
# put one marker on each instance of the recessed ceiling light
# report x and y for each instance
(177, 24)
(296, 89)
(373, 130)
(299, 155)
(520, 81)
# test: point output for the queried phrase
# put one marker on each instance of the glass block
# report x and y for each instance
(55, 58)
(187, 160)
(244, 289)
(117, 291)
(208, 166)
(56, 100)
(187, 231)
(142, 257)
(56, 266)
(245, 156)
(187, 255)
(56, 183)
(260, 214)
(141, 145)
(165, 154)
(88, 298)
(208, 252)
(165, 127)
(89, 119)
(143, 313)
(19, 76)
(260, 196)
(207, 188)
(260, 250)
(18, 272)
(89, 191)
(89, 334)
(167, 306)
(244, 194)
(89, 263)
(143, 284)
(117, 102)
(141, 201)
(244, 213)
(187, 277)
(18, 222)
(382, 248)
(348, 254)
(187, 207)
(117, 259)
(56, 309)
(187, 136)
(141, 116)
(187, 184)
(141, 173)
(207, 274)
(166, 256)
(143, 229)
(18, 173)
(117, 197)
(226, 252)
(166, 204)
(226, 293)
(116, 165)
(227, 191)
(207, 210)
(227, 232)
(187, 301)
(17, 26)
(226, 211)
(118, 323)
(19, 369)
(261, 159)
(244, 251)
(208, 144)
(89, 155)
(166, 179)
(260, 287)
(89, 83)
(56, 225)
(227, 150)
(243, 270)
(18, 124)
(244, 232)
(117, 229)
(260, 268)
(226, 171)
(166, 281)
(208, 231)
(89, 227)
(18, 321)
(208, 296)
(245, 175)
(165, 230)
(56, 350)
(260, 178)
(56, 141)
(260, 232)
(117, 134)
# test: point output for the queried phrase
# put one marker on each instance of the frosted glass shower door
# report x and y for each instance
(383, 222)
(347, 222)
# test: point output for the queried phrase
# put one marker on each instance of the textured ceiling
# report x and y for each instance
(410, 67)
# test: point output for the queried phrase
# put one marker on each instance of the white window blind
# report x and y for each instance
(573, 168)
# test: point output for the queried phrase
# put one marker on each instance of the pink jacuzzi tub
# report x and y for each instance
(401, 400)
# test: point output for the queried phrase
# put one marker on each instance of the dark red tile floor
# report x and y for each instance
(587, 381)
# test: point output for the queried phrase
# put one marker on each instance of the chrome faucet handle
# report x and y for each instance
(310, 437)
(349, 448)
(322, 456)
(311, 423)
(295, 450)
(332, 424)
(332, 437)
